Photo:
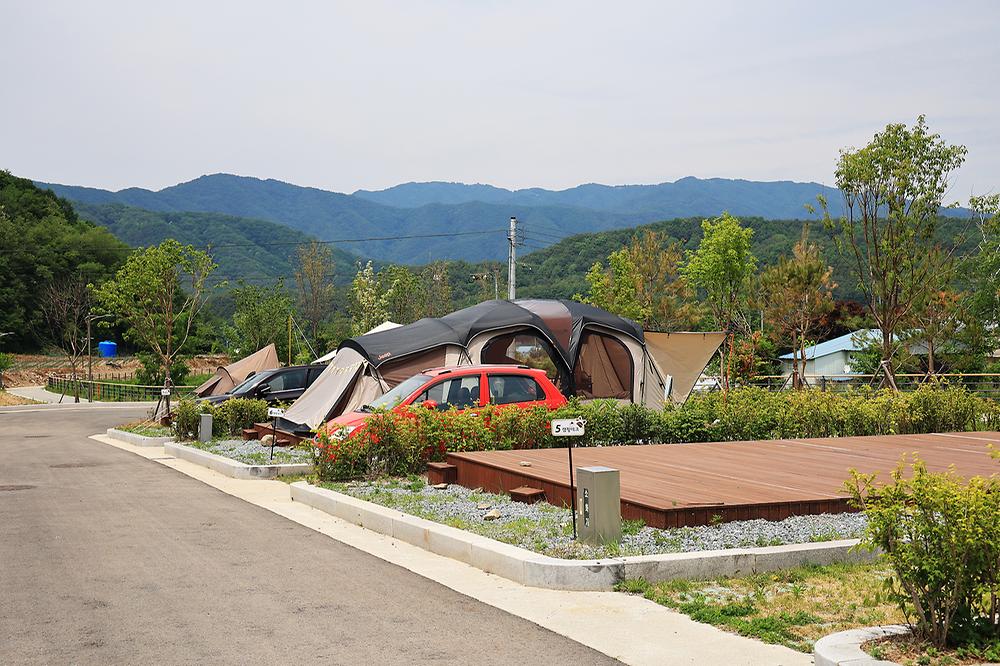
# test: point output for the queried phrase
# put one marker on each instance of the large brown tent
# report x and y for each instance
(227, 377)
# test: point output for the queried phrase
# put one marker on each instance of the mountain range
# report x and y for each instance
(414, 223)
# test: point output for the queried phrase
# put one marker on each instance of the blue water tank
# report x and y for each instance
(107, 349)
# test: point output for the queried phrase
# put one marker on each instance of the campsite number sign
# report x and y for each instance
(568, 427)
(275, 412)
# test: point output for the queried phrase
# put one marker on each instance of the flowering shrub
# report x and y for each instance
(400, 443)
(940, 533)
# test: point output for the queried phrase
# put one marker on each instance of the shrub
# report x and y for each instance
(941, 536)
(187, 415)
(231, 417)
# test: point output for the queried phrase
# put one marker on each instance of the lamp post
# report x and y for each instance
(90, 359)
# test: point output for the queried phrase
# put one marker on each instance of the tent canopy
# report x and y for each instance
(227, 377)
(685, 356)
(384, 326)
(560, 322)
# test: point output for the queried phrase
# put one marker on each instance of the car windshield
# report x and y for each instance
(249, 383)
(398, 394)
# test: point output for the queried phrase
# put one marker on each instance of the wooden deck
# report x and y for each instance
(674, 485)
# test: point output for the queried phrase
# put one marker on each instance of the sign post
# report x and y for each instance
(570, 428)
(275, 413)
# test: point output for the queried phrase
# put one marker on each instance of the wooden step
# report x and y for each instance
(439, 472)
(250, 433)
(527, 494)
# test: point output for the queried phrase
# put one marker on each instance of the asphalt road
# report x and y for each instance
(109, 558)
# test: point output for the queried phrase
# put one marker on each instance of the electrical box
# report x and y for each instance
(205, 428)
(598, 505)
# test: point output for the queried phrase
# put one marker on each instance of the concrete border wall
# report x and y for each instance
(528, 568)
(844, 648)
(234, 468)
(136, 439)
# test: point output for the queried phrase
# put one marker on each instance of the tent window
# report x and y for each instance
(604, 367)
(521, 349)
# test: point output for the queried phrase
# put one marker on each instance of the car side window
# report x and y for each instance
(509, 389)
(286, 381)
(458, 392)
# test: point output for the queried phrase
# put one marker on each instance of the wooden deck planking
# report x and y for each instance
(665, 484)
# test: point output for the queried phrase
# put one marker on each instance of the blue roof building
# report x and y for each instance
(834, 357)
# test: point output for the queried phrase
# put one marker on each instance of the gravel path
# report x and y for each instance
(252, 453)
(547, 529)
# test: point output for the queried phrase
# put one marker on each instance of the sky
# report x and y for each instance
(353, 95)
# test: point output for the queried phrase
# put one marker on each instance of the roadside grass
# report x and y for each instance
(11, 400)
(793, 608)
(146, 429)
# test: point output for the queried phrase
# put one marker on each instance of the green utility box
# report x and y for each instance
(598, 505)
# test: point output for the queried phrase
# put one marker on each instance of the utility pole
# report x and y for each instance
(512, 260)
(289, 338)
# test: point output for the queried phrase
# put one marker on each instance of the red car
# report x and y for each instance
(462, 387)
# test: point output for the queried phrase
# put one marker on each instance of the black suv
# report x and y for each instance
(276, 386)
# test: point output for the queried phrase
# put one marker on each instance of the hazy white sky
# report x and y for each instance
(369, 94)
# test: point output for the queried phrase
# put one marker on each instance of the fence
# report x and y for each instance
(985, 384)
(110, 391)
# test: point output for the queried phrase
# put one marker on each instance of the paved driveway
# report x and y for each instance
(107, 558)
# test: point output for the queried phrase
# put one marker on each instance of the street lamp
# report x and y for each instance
(90, 357)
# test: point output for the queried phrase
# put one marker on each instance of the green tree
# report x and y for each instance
(260, 318)
(796, 294)
(403, 294)
(367, 303)
(616, 288)
(982, 269)
(314, 278)
(723, 268)
(893, 191)
(157, 294)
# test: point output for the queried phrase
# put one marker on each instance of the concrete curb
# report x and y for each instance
(844, 648)
(137, 440)
(528, 568)
(234, 468)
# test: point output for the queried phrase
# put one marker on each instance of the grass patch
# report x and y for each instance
(793, 608)
(11, 400)
(146, 429)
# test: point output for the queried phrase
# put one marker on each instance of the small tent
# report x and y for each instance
(227, 377)
(590, 352)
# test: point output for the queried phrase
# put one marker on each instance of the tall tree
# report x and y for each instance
(437, 285)
(723, 268)
(403, 294)
(642, 282)
(796, 293)
(260, 318)
(367, 303)
(158, 293)
(616, 288)
(893, 191)
(314, 279)
(66, 304)
(982, 270)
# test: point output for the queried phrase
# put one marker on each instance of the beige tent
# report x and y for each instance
(684, 356)
(226, 378)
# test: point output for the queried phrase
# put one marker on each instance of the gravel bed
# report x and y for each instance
(547, 529)
(251, 452)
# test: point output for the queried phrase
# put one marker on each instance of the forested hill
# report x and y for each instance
(253, 250)
(685, 197)
(420, 222)
(43, 242)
